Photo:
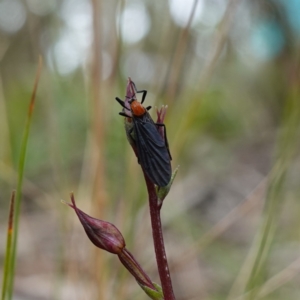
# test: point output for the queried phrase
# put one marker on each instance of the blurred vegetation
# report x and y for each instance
(229, 72)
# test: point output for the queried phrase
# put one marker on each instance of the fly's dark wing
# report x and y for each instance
(152, 152)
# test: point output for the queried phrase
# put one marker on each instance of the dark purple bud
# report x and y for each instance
(130, 94)
(102, 234)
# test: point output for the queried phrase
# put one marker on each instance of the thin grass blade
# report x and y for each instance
(22, 158)
(8, 251)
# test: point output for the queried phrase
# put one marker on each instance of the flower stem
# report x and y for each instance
(159, 247)
(135, 269)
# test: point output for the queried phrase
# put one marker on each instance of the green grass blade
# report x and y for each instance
(10, 229)
(275, 196)
(22, 158)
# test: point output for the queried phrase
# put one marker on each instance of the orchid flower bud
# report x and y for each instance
(102, 234)
(130, 93)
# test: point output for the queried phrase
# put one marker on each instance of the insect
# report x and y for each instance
(152, 149)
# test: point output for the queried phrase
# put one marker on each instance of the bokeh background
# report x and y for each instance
(228, 71)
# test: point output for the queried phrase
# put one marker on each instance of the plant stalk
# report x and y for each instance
(159, 246)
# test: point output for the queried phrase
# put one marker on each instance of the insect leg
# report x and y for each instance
(165, 136)
(122, 103)
(141, 91)
(124, 115)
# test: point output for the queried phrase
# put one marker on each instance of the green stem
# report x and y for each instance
(8, 246)
(12, 263)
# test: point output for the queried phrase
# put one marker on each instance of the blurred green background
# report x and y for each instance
(228, 71)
